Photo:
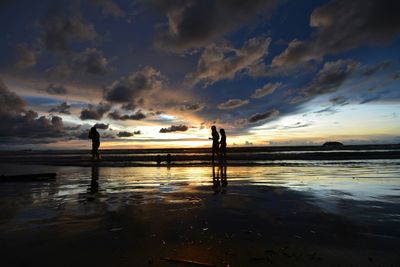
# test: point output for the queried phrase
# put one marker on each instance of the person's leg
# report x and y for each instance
(93, 150)
(96, 150)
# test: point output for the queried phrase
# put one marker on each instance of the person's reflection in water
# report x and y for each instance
(94, 184)
(222, 157)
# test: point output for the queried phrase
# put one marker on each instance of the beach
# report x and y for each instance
(319, 213)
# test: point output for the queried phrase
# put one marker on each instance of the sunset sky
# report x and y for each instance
(159, 73)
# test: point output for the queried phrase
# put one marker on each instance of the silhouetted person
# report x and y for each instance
(222, 156)
(95, 136)
(158, 159)
(169, 159)
(215, 144)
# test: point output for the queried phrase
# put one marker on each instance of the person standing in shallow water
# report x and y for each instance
(95, 136)
(222, 153)
(215, 144)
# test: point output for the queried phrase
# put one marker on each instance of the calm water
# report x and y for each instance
(326, 183)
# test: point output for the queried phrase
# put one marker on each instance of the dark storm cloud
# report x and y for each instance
(124, 134)
(196, 23)
(60, 30)
(91, 61)
(109, 7)
(174, 128)
(263, 116)
(62, 108)
(378, 67)
(53, 89)
(17, 122)
(94, 112)
(267, 89)
(222, 61)
(101, 126)
(327, 80)
(233, 103)
(10, 102)
(26, 57)
(343, 25)
(133, 88)
(116, 115)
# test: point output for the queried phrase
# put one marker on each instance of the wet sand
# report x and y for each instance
(175, 217)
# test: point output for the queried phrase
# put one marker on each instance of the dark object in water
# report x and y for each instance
(37, 177)
(332, 144)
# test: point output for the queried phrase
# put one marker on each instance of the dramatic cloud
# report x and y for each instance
(26, 57)
(220, 62)
(263, 116)
(174, 128)
(343, 25)
(124, 134)
(101, 126)
(17, 122)
(338, 100)
(378, 67)
(109, 7)
(53, 89)
(115, 115)
(60, 30)
(267, 89)
(91, 61)
(330, 77)
(297, 52)
(196, 23)
(135, 87)
(63, 108)
(94, 112)
(191, 107)
(10, 102)
(233, 103)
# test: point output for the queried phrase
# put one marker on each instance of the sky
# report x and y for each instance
(159, 73)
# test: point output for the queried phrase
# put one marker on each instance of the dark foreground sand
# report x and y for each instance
(233, 226)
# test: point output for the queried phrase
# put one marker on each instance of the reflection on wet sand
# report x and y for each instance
(94, 181)
(267, 215)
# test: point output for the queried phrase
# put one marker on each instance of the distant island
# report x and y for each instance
(332, 144)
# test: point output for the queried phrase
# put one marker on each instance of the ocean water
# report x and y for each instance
(329, 184)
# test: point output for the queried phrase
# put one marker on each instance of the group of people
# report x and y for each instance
(218, 149)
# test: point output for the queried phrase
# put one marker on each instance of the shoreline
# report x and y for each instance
(266, 159)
